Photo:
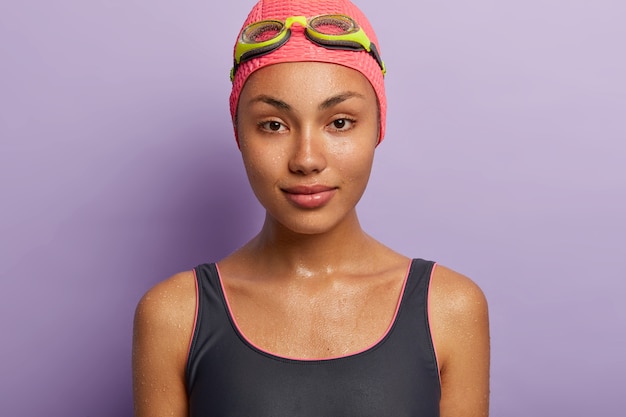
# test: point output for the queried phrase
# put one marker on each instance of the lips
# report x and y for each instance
(309, 196)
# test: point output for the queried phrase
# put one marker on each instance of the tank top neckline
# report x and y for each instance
(247, 342)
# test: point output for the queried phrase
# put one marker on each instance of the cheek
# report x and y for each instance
(261, 166)
(254, 169)
(356, 167)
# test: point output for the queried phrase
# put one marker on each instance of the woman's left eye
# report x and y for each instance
(342, 124)
(272, 126)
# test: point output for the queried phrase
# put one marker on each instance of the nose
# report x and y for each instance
(308, 154)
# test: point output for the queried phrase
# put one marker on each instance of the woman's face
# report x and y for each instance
(307, 133)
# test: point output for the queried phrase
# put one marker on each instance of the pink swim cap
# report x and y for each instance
(299, 49)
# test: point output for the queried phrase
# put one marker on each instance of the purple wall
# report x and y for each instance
(504, 159)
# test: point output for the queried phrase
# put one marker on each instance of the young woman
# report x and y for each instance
(312, 317)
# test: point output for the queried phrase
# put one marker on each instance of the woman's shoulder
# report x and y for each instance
(459, 325)
(455, 293)
(169, 306)
(458, 311)
(162, 329)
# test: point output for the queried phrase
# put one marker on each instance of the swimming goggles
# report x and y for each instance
(330, 31)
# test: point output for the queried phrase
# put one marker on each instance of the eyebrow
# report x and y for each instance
(339, 98)
(326, 104)
(279, 104)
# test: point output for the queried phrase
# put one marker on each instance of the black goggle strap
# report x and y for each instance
(348, 46)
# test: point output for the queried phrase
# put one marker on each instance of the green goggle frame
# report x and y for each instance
(347, 35)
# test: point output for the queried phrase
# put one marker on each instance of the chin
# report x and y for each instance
(307, 223)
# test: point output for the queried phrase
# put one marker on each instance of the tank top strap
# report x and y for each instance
(417, 286)
(413, 315)
(211, 314)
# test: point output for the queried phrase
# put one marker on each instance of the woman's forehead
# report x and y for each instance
(307, 79)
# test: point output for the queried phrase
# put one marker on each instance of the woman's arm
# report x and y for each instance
(460, 330)
(163, 326)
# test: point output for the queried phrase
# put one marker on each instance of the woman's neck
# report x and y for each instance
(334, 251)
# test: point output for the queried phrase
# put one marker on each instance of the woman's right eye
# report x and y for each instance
(272, 126)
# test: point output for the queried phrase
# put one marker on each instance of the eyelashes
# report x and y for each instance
(340, 124)
(272, 126)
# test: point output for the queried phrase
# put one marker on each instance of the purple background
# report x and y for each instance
(504, 159)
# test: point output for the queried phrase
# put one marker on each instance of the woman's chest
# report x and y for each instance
(324, 322)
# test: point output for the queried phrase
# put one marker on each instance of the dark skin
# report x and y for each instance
(312, 283)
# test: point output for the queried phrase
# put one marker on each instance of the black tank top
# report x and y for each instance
(227, 376)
